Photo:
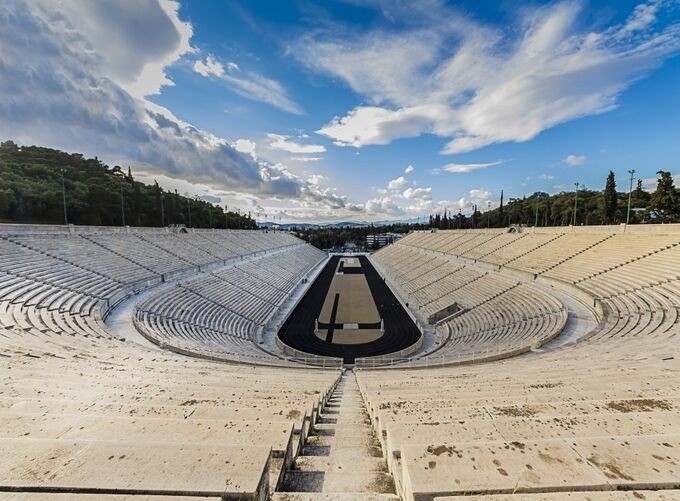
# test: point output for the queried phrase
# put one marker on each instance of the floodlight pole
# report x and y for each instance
(210, 215)
(189, 207)
(575, 202)
(63, 196)
(162, 211)
(122, 201)
(630, 192)
(226, 217)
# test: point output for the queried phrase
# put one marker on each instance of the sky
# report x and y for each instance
(345, 109)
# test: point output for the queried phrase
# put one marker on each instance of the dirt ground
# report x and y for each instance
(356, 305)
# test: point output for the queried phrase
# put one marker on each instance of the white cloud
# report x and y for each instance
(642, 17)
(68, 98)
(249, 84)
(409, 169)
(461, 168)
(397, 184)
(546, 176)
(417, 193)
(134, 41)
(315, 179)
(245, 146)
(476, 85)
(211, 67)
(382, 205)
(574, 160)
(306, 159)
(281, 142)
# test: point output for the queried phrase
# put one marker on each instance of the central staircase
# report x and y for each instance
(341, 459)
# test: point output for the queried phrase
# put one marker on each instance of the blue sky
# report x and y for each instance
(349, 110)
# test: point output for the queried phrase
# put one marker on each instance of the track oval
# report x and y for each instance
(298, 329)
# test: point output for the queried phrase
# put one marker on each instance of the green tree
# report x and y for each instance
(664, 201)
(610, 200)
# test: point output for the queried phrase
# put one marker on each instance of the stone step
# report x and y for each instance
(357, 450)
(324, 481)
(343, 441)
(340, 463)
(332, 496)
(357, 429)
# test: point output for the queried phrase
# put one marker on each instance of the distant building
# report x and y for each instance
(382, 239)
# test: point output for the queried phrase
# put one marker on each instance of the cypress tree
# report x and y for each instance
(610, 199)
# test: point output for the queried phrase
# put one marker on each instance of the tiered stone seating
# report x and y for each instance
(221, 315)
(556, 251)
(495, 315)
(89, 415)
(180, 246)
(611, 253)
(596, 414)
(579, 418)
(84, 411)
(142, 252)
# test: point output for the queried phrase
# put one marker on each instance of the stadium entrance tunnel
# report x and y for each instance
(348, 312)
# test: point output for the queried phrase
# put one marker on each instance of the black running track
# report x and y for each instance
(298, 330)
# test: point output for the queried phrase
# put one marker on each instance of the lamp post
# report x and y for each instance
(189, 208)
(122, 202)
(575, 203)
(162, 211)
(210, 216)
(226, 217)
(630, 192)
(488, 209)
(63, 196)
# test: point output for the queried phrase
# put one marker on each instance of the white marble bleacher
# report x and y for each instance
(222, 313)
(589, 419)
(84, 253)
(85, 411)
(140, 251)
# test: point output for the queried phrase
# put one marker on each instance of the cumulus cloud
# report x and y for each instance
(245, 146)
(383, 205)
(475, 84)
(135, 41)
(409, 169)
(397, 184)
(574, 160)
(250, 85)
(285, 143)
(417, 193)
(56, 90)
(546, 176)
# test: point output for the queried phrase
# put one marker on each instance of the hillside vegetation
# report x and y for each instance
(31, 192)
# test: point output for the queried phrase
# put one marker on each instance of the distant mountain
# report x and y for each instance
(342, 224)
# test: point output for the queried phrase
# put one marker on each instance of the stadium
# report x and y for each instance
(243, 365)
(339, 250)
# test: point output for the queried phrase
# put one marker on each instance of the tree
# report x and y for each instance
(664, 200)
(610, 200)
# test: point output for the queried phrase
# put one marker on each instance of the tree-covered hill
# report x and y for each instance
(96, 194)
(585, 207)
